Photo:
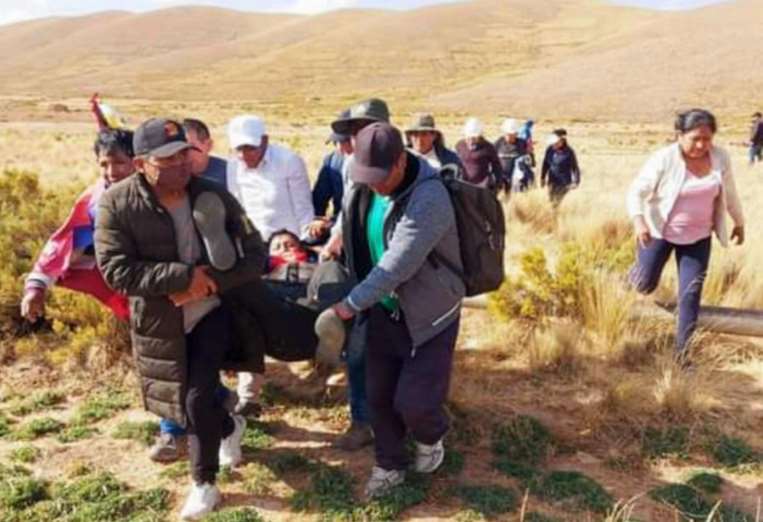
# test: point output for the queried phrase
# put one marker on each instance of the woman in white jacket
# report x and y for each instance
(680, 197)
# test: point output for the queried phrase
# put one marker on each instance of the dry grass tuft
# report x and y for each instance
(558, 349)
(533, 210)
(605, 305)
(682, 395)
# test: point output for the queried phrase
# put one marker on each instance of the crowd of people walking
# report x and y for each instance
(217, 263)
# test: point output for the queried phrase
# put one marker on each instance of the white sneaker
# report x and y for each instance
(429, 458)
(230, 447)
(382, 481)
(201, 501)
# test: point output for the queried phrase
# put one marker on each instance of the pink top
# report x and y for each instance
(691, 218)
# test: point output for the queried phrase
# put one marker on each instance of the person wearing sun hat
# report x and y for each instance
(426, 140)
(478, 156)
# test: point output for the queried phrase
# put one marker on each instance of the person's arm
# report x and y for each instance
(119, 262)
(733, 203)
(427, 218)
(322, 189)
(252, 252)
(299, 192)
(546, 166)
(496, 168)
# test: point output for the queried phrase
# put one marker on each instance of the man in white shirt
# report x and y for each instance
(270, 181)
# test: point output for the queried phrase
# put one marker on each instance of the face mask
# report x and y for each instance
(173, 178)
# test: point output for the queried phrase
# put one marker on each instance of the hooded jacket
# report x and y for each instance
(419, 220)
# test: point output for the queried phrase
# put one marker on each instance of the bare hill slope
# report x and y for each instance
(583, 58)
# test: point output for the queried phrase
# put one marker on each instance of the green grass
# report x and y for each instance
(235, 515)
(672, 440)
(176, 470)
(534, 516)
(257, 478)
(330, 492)
(143, 432)
(25, 454)
(526, 474)
(37, 428)
(18, 490)
(38, 402)
(453, 463)
(256, 437)
(690, 502)
(524, 439)
(706, 482)
(390, 507)
(101, 406)
(488, 500)
(732, 452)
(289, 462)
(5, 426)
(575, 490)
(75, 433)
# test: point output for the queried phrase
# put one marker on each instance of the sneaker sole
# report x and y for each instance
(331, 334)
(209, 216)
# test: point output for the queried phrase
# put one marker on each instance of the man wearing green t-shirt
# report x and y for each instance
(396, 215)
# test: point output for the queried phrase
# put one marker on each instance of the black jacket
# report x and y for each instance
(136, 251)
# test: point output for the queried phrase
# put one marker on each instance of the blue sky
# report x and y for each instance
(17, 10)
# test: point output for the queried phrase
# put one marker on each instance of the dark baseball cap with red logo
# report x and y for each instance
(160, 138)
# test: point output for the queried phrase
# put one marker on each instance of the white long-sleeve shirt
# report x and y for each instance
(276, 195)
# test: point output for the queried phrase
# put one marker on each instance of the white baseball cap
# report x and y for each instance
(246, 130)
(473, 128)
(510, 126)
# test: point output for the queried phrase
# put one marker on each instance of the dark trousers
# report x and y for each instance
(406, 389)
(692, 261)
(208, 422)
(355, 357)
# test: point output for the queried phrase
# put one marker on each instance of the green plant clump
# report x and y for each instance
(524, 440)
(574, 489)
(488, 500)
(143, 432)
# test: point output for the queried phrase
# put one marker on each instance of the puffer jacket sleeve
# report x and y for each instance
(117, 257)
(252, 250)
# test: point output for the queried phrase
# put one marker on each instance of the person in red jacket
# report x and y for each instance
(67, 259)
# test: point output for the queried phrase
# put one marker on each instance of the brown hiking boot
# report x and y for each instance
(168, 448)
(357, 436)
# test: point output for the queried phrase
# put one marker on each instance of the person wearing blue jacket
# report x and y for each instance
(329, 187)
(560, 170)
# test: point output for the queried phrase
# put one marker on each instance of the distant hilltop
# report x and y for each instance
(574, 58)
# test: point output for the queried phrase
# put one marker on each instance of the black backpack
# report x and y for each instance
(481, 233)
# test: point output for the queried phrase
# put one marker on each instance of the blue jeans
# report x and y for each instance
(691, 261)
(174, 429)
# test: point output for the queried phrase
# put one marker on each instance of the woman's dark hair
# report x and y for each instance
(692, 119)
(110, 141)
